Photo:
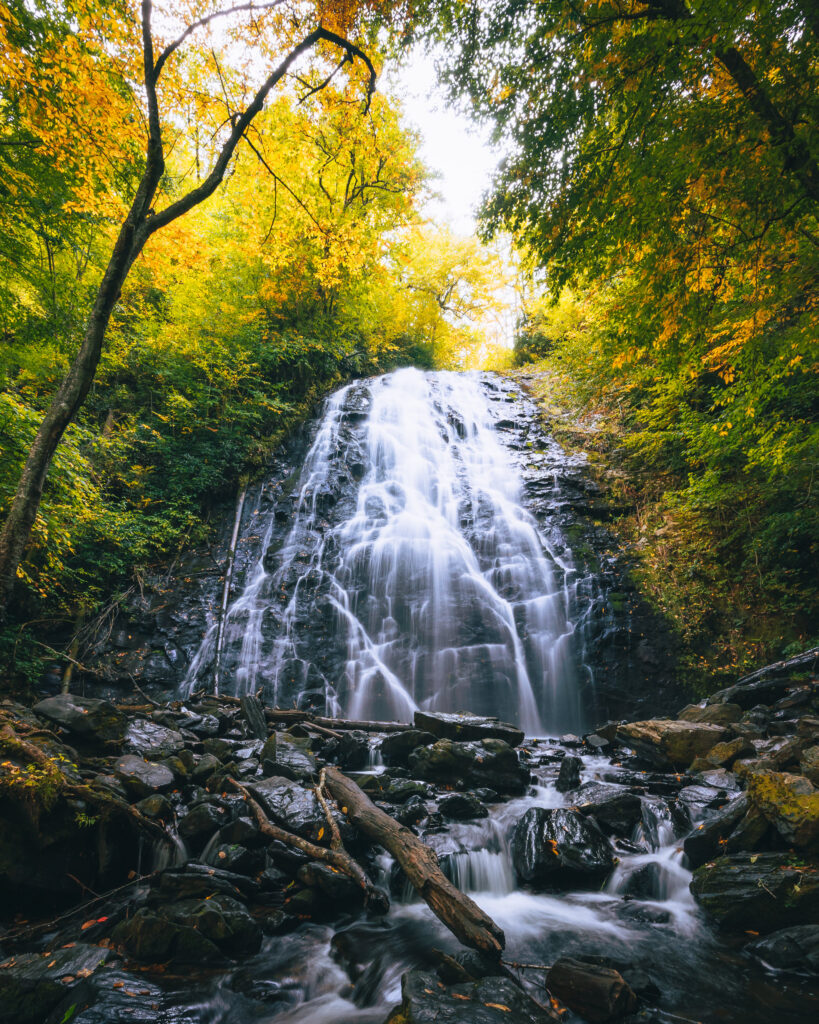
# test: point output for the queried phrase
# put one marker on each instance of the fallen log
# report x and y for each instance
(595, 993)
(292, 716)
(337, 857)
(459, 913)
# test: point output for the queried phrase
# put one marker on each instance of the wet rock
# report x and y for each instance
(190, 931)
(32, 984)
(490, 762)
(748, 695)
(706, 841)
(198, 881)
(202, 821)
(461, 807)
(151, 740)
(724, 754)
(791, 949)
(242, 830)
(617, 810)
(84, 718)
(569, 775)
(466, 727)
(759, 892)
(156, 806)
(340, 888)
(396, 749)
(720, 778)
(496, 1000)
(549, 843)
(351, 752)
(413, 811)
(711, 714)
(669, 744)
(392, 790)
(110, 783)
(290, 806)
(790, 803)
(204, 767)
(238, 859)
(141, 778)
(219, 748)
(284, 756)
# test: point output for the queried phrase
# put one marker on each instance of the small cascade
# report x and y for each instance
(411, 576)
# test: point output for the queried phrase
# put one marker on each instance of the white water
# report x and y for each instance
(445, 594)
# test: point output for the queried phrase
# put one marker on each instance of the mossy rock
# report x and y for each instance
(791, 805)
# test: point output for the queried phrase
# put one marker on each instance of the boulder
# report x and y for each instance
(748, 695)
(32, 984)
(725, 753)
(199, 881)
(282, 755)
(490, 762)
(810, 764)
(707, 839)
(190, 931)
(494, 1000)
(711, 714)
(669, 744)
(759, 892)
(290, 806)
(595, 992)
(392, 790)
(547, 844)
(617, 810)
(142, 778)
(461, 807)
(467, 727)
(791, 949)
(569, 775)
(202, 821)
(790, 803)
(152, 740)
(396, 749)
(339, 888)
(156, 806)
(84, 718)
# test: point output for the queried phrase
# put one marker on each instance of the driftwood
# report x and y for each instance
(807, 660)
(337, 858)
(459, 913)
(595, 993)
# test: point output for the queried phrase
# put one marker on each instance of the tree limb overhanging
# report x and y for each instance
(140, 223)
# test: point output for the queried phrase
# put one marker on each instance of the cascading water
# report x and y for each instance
(410, 555)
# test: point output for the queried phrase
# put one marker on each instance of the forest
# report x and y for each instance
(559, 472)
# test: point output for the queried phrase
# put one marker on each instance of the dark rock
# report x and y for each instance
(392, 790)
(198, 881)
(351, 752)
(85, 718)
(142, 778)
(466, 727)
(340, 888)
(396, 749)
(706, 841)
(461, 807)
(489, 762)
(809, 764)
(204, 767)
(242, 830)
(561, 842)
(203, 820)
(569, 775)
(413, 811)
(284, 756)
(156, 806)
(32, 984)
(748, 695)
(219, 748)
(791, 949)
(236, 858)
(151, 740)
(758, 892)
(290, 806)
(616, 810)
(496, 1000)
(595, 992)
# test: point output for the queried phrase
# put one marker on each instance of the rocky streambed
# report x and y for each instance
(661, 870)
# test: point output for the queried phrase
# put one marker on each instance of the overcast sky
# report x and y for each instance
(452, 145)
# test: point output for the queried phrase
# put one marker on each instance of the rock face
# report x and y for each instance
(467, 727)
(32, 984)
(547, 844)
(489, 762)
(758, 892)
(426, 1000)
(84, 718)
(669, 744)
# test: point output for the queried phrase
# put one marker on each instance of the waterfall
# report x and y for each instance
(410, 576)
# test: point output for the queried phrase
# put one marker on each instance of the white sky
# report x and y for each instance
(452, 145)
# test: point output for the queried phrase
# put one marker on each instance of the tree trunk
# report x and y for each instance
(64, 406)
(458, 912)
(595, 993)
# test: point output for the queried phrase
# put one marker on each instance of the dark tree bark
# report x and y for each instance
(140, 223)
(459, 913)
